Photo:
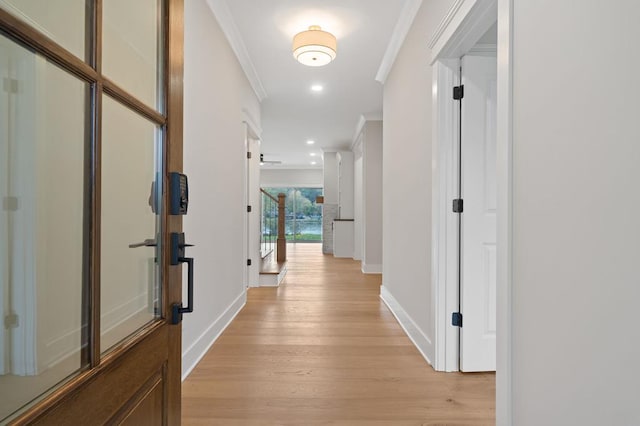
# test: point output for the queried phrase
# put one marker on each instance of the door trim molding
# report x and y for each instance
(504, 131)
(253, 127)
(444, 256)
(463, 25)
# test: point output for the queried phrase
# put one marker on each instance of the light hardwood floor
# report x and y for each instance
(322, 349)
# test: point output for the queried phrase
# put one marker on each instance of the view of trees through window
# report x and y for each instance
(303, 221)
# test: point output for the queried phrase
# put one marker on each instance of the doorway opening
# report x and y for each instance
(465, 247)
(303, 219)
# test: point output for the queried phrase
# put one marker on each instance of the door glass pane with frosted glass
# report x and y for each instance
(42, 189)
(129, 277)
(63, 21)
(131, 46)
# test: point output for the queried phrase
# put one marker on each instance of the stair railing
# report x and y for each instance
(268, 223)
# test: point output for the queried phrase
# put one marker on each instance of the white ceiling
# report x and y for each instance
(291, 112)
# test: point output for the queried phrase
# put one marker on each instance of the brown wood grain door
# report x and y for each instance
(108, 73)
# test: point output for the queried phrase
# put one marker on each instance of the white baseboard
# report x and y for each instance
(417, 336)
(194, 353)
(371, 269)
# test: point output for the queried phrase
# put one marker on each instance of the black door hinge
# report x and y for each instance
(458, 205)
(456, 319)
(248, 262)
(458, 92)
(248, 154)
(248, 209)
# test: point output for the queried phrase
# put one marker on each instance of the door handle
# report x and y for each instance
(177, 257)
(146, 243)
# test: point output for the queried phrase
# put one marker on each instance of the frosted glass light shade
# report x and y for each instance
(314, 47)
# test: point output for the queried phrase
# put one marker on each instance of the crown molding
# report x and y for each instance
(407, 15)
(223, 15)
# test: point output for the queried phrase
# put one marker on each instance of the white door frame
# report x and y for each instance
(463, 25)
(252, 132)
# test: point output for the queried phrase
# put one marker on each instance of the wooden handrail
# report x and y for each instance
(268, 195)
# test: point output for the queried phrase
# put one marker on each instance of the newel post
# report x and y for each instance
(282, 239)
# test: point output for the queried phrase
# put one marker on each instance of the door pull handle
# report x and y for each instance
(177, 257)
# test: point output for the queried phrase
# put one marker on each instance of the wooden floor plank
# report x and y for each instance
(322, 349)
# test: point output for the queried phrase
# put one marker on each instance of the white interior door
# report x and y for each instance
(478, 251)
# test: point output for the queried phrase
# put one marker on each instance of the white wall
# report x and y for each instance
(358, 198)
(575, 343)
(406, 181)
(372, 188)
(330, 177)
(301, 178)
(345, 184)
(216, 91)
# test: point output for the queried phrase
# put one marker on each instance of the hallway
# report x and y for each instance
(323, 349)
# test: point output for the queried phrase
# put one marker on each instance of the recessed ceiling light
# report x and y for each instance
(316, 88)
(310, 142)
(313, 163)
(313, 154)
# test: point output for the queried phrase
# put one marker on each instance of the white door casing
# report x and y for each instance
(252, 197)
(4, 211)
(478, 228)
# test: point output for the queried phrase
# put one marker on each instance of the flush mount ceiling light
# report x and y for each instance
(314, 47)
(310, 142)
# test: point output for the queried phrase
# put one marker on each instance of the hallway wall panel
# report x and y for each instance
(216, 92)
(407, 180)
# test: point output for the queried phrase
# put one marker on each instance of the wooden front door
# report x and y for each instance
(91, 114)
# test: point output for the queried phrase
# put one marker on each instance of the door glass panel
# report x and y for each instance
(129, 278)
(42, 178)
(131, 37)
(63, 21)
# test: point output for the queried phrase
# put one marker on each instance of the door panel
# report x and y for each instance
(478, 251)
(94, 160)
(114, 389)
(149, 409)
